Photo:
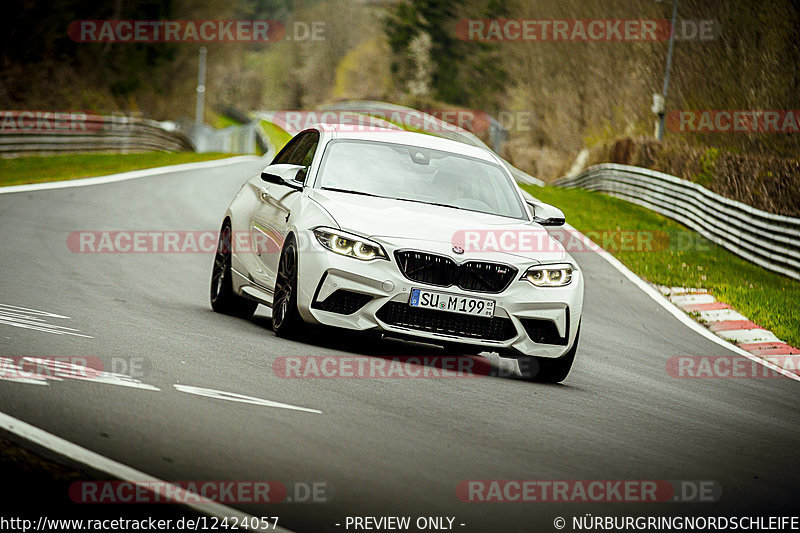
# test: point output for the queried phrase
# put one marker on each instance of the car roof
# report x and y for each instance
(399, 136)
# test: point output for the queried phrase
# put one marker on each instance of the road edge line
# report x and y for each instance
(125, 176)
(674, 310)
(94, 460)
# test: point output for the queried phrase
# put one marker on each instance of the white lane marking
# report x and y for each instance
(42, 370)
(674, 291)
(678, 313)
(233, 397)
(21, 310)
(720, 315)
(691, 299)
(743, 336)
(124, 176)
(11, 317)
(11, 371)
(117, 470)
(33, 319)
(23, 325)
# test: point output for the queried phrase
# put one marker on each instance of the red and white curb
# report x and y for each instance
(727, 323)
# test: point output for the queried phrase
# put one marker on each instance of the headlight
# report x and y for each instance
(550, 275)
(350, 245)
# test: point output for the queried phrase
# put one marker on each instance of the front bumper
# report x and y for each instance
(321, 273)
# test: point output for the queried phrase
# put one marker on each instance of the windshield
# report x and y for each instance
(419, 175)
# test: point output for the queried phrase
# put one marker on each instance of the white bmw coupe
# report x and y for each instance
(406, 235)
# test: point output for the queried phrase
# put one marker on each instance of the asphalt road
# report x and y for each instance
(395, 447)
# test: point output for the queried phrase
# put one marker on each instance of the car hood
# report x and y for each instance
(413, 225)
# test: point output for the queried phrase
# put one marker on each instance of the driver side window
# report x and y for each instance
(286, 152)
(299, 151)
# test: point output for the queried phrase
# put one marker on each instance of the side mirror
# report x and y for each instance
(284, 174)
(546, 214)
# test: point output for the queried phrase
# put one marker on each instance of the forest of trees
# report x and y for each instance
(581, 94)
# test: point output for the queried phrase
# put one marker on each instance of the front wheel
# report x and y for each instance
(546, 370)
(223, 298)
(286, 320)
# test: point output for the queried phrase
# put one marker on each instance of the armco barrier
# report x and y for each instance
(90, 133)
(239, 139)
(769, 240)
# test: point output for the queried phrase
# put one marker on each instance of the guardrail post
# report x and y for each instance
(662, 116)
(201, 87)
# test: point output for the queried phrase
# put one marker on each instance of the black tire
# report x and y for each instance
(223, 299)
(286, 320)
(546, 370)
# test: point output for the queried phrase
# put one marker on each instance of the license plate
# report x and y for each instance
(453, 303)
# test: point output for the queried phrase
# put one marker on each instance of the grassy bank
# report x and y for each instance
(277, 135)
(768, 183)
(38, 169)
(679, 257)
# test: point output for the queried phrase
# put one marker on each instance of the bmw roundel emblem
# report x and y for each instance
(458, 249)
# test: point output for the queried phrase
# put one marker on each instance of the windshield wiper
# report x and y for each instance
(362, 193)
(428, 203)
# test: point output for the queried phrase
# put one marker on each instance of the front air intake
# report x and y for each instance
(433, 269)
(343, 302)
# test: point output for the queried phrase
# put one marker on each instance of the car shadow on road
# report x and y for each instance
(428, 358)
(410, 357)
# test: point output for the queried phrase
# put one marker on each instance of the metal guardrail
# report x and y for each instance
(261, 139)
(240, 139)
(264, 143)
(78, 132)
(440, 128)
(769, 240)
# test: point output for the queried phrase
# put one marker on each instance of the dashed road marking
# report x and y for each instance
(233, 397)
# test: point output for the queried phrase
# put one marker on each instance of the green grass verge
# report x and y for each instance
(277, 135)
(401, 125)
(20, 170)
(681, 258)
(406, 127)
(222, 121)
